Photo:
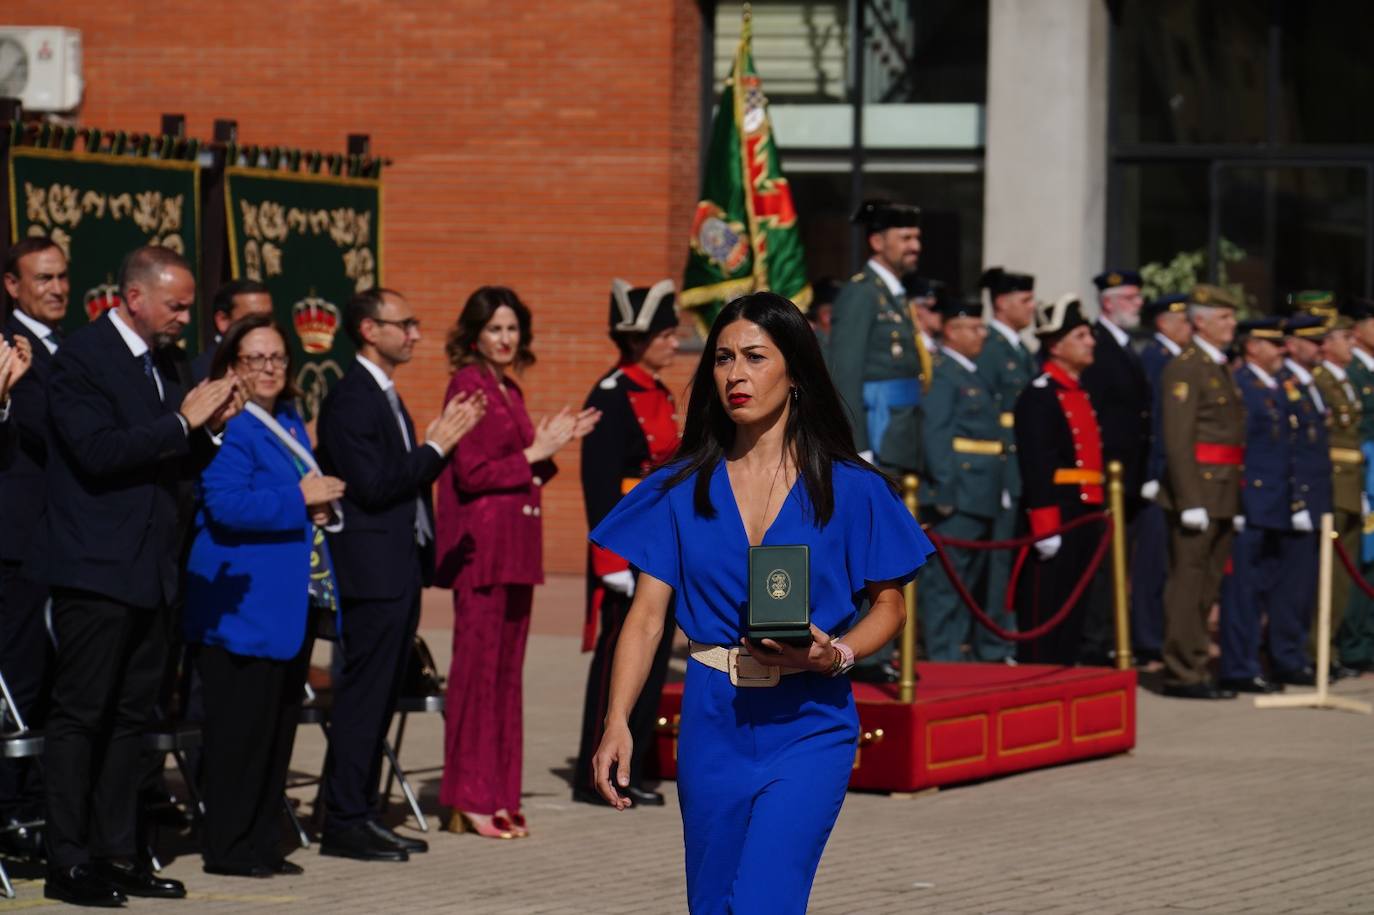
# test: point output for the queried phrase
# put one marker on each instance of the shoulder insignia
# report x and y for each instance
(611, 381)
(857, 278)
(1180, 391)
(1042, 382)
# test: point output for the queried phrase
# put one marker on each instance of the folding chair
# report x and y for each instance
(20, 743)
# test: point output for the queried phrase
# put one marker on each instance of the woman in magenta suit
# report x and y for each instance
(490, 552)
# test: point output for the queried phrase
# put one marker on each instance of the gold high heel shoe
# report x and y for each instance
(462, 822)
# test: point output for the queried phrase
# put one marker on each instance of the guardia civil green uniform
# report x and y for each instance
(966, 469)
(1355, 640)
(1007, 368)
(875, 355)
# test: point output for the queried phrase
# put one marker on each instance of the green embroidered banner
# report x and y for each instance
(313, 241)
(100, 207)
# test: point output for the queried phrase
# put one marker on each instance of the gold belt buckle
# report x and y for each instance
(747, 672)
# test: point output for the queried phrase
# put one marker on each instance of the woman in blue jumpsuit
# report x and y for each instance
(767, 458)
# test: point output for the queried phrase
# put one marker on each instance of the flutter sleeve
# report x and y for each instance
(642, 528)
(883, 542)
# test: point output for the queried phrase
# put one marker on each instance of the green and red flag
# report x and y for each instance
(744, 234)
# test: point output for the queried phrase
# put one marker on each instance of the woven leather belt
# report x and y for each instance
(1077, 476)
(1347, 456)
(744, 671)
(976, 446)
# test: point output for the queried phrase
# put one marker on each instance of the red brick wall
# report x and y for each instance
(547, 146)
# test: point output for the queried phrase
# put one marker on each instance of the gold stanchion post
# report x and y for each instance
(1116, 500)
(1321, 698)
(908, 682)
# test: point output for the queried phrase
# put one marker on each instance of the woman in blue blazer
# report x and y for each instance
(258, 569)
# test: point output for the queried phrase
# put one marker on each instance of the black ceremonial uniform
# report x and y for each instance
(636, 433)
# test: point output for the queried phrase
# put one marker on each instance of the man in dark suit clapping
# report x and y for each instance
(35, 278)
(382, 558)
(127, 439)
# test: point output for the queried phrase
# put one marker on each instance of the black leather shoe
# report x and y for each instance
(259, 871)
(1340, 672)
(1251, 685)
(643, 796)
(588, 796)
(412, 846)
(284, 868)
(79, 885)
(1199, 691)
(362, 844)
(138, 880)
(1304, 677)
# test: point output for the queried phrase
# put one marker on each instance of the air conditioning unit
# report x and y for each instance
(41, 66)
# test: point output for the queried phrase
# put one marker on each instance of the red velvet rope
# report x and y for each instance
(1351, 570)
(1062, 613)
(1019, 541)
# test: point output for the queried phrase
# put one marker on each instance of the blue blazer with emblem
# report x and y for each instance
(1267, 497)
(248, 574)
(1311, 449)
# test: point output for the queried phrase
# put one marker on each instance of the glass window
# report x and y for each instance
(925, 51)
(1164, 214)
(1299, 228)
(801, 48)
(1325, 75)
(1189, 72)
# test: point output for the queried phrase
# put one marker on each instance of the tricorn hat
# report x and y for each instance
(642, 309)
(881, 215)
(1055, 319)
(953, 306)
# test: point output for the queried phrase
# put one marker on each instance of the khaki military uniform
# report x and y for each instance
(1203, 424)
(1356, 636)
(1343, 416)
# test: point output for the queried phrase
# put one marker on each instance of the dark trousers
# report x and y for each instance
(109, 664)
(1251, 593)
(1293, 601)
(377, 639)
(946, 623)
(252, 708)
(25, 662)
(1149, 570)
(1045, 587)
(1197, 561)
(643, 717)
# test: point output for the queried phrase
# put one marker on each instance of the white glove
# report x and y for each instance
(1195, 519)
(867, 455)
(1364, 503)
(1006, 500)
(1049, 547)
(1149, 489)
(1302, 521)
(622, 582)
(1238, 523)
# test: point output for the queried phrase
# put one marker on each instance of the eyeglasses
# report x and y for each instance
(257, 361)
(406, 325)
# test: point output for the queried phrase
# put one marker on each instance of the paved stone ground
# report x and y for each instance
(1222, 808)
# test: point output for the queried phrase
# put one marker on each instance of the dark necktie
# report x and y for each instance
(151, 372)
(423, 532)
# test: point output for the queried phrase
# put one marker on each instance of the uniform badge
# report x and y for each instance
(1180, 391)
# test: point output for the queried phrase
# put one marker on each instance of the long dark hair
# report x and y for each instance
(461, 346)
(818, 432)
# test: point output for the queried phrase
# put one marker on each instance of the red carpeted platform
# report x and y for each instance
(970, 722)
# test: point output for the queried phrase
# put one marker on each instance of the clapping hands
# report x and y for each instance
(460, 414)
(212, 403)
(15, 360)
(553, 432)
